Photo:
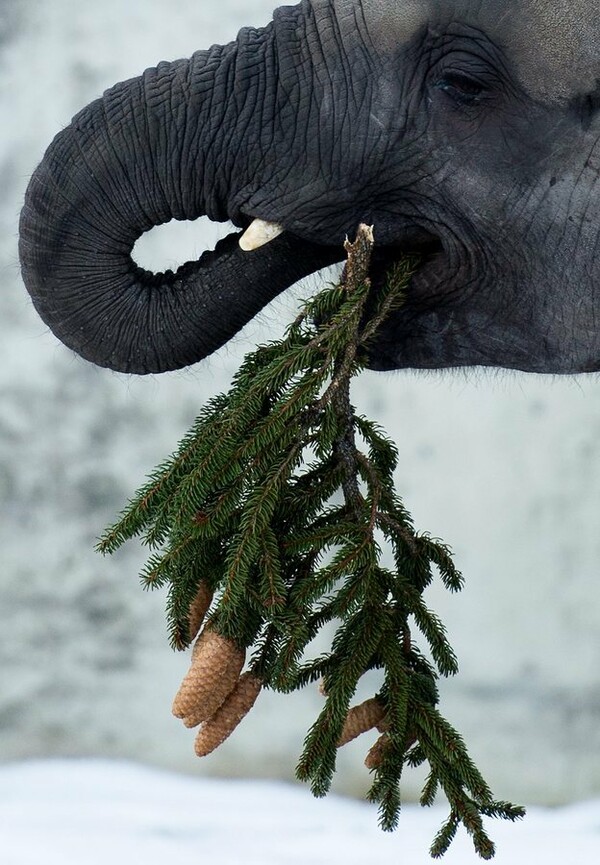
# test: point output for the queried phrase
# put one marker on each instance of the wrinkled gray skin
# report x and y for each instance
(467, 130)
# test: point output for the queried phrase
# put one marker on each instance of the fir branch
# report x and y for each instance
(270, 504)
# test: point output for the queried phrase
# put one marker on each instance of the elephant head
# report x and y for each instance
(468, 130)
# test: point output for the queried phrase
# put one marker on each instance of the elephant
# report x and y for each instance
(466, 131)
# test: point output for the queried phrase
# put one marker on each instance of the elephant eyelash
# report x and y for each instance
(461, 88)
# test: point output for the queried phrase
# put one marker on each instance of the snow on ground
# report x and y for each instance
(88, 812)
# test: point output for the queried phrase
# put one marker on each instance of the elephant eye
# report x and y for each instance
(461, 88)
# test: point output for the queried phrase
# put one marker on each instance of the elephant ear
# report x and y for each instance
(151, 150)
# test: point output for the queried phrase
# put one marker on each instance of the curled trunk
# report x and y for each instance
(171, 144)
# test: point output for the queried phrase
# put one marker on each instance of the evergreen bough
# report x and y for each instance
(270, 504)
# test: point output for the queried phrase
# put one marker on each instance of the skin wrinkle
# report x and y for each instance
(576, 185)
(236, 150)
(264, 161)
(329, 115)
(150, 218)
(190, 142)
(360, 26)
(207, 135)
(149, 170)
(228, 128)
(99, 224)
(294, 52)
(158, 94)
(109, 216)
(174, 144)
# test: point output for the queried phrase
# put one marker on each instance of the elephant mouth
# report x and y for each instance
(257, 233)
(429, 289)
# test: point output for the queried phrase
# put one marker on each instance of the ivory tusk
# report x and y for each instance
(258, 234)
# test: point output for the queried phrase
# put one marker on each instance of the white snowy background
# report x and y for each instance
(504, 467)
(94, 812)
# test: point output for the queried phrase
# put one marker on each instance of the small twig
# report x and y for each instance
(407, 536)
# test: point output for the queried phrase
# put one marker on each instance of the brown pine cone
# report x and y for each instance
(198, 609)
(216, 729)
(376, 754)
(361, 718)
(214, 671)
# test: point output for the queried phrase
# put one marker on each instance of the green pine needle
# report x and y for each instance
(271, 503)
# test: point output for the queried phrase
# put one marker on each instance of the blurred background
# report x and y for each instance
(504, 467)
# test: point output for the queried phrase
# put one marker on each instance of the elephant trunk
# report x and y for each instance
(163, 146)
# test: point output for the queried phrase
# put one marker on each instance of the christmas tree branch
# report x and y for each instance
(249, 534)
